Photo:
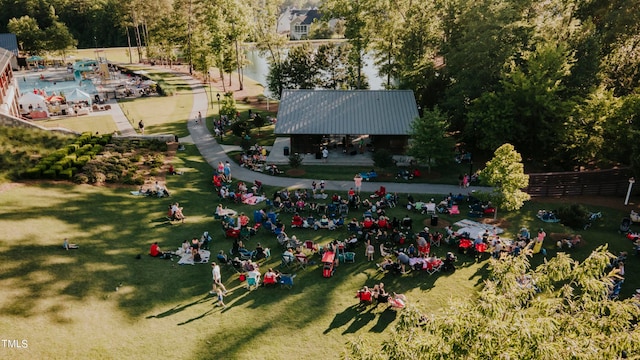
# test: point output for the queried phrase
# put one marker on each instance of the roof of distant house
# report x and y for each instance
(374, 112)
(10, 42)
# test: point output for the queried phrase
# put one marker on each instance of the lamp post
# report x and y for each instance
(218, 96)
(631, 181)
(209, 84)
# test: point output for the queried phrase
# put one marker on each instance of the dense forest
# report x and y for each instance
(558, 79)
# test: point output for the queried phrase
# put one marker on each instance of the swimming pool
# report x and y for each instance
(59, 82)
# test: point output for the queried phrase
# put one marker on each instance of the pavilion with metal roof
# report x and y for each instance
(346, 118)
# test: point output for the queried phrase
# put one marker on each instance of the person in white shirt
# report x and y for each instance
(217, 278)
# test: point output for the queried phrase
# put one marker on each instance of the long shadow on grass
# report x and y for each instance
(111, 227)
(384, 320)
(343, 318)
(178, 308)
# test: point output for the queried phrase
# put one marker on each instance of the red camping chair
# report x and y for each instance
(381, 192)
(232, 233)
(328, 262)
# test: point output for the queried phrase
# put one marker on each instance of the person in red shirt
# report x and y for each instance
(155, 250)
(243, 220)
(368, 223)
(297, 221)
(351, 194)
(383, 223)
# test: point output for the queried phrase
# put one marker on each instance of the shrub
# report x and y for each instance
(65, 162)
(81, 178)
(66, 174)
(240, 127)
(56, 167)
(59, 154)
(573, 216)
(295, 160)
(259, 121)
(133, 180)
(71, 148)
(97, 177)
(382, 158)
(112, 177)
(105, 139)
(49, 174)
(246, 143)
(33, 173)
(82, 160)
(85, 138)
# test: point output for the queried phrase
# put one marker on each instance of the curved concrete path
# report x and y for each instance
(213, 153)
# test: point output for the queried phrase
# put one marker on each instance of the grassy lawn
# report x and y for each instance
(120, 55)
(52, 295)
(101, 123)
(161, 114)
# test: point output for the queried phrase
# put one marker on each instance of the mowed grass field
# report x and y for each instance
(101, 302)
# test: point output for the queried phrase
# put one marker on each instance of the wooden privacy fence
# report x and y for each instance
(599, 182)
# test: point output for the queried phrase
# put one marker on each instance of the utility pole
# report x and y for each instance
(189, 41)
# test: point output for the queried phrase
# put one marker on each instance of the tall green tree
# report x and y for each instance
(531, 104)
(431, 143)
(481, 37)
(559, 310)
(332, 64)
(59, 39)
(30, 36)
(356, 15)
(505, 173)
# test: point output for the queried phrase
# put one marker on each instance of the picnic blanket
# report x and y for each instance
(186, 259)
(475, 228)
(251, 199)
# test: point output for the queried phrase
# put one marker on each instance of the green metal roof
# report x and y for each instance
(373, 112)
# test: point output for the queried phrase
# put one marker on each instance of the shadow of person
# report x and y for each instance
(386, 317)
(359, 322)
(343, 318)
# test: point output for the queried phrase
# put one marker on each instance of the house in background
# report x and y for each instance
(297, 23)
(10, 42)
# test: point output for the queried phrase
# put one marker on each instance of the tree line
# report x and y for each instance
(558, 79)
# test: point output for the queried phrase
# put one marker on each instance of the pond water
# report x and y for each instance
(258, 69)
(58, 82)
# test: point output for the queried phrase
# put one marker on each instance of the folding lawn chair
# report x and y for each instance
(434, 266)
(252, 283)
(310, 245)
(286, 280)
(349, 257)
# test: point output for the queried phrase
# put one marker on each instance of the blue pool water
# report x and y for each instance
(58, 82)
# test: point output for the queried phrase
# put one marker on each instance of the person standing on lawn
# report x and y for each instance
(217, 279)
(358, 183)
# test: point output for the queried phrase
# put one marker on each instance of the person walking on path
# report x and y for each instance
(217, 279)
(141, 127)
(358, 183)
(325, 154)
(199, 119)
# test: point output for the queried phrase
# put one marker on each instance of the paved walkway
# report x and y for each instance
(213, 153)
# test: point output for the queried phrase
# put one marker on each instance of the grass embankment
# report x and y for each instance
(102, 124)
